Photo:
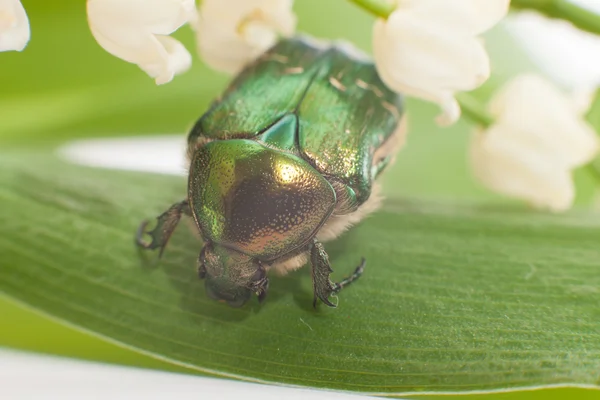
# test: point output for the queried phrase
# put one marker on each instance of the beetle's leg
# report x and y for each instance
(166, 223)
(261, 289)
(322, 285)
(260, 286)
(348, 280)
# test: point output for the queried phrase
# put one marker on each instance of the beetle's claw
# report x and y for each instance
(325, 300)
(139, 235)
(155, 243)
(262, 295)
(334, 288)
(323, 294)
(261, 289)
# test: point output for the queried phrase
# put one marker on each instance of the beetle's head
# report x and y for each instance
(229, 275)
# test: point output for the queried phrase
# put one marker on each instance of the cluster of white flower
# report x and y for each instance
(428, 49)
(538, 138)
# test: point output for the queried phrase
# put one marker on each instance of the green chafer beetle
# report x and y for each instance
(286, 158)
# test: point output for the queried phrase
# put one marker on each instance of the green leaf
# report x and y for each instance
(454, 297)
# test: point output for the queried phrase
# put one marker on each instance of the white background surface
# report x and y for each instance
(28, 376)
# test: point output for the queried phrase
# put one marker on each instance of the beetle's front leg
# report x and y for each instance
(260, 286)
(322, 285)
(321, 270)
(166, 224)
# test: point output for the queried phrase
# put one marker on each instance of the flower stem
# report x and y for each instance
(473, 109)
(379, 8)
(579, 16)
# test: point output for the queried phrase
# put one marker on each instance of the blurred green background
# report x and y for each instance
(64, 86)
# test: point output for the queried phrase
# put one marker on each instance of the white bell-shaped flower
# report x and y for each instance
(137, 32)
(231, 33)
(429, 49)
(538, 138)
(14, 26)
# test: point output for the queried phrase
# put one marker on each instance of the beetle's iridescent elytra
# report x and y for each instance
(285, 159)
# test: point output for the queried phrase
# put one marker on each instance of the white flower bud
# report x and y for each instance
(231, 33)
(137, 32)
(14, 26)
(537, 140)
(429, 49)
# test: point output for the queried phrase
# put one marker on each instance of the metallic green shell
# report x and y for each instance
(333, 96)
(259, 201)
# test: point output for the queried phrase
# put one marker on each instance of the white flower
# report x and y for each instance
(14, 26)
(137, 31)
(430, 49)
(231, 33)
(538, 138)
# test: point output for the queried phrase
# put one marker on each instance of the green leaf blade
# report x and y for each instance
(454, 298)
